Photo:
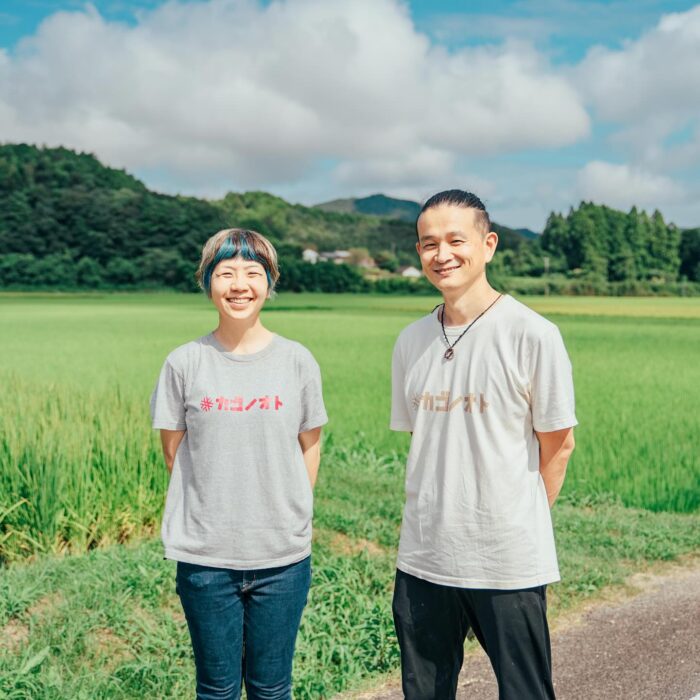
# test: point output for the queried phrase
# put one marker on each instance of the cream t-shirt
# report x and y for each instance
(476, 513)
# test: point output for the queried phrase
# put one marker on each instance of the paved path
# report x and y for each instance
(645, 648)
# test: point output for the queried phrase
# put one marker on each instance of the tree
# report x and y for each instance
(358, 256)
(121, 272)
(88, 273)
(386, 260)
(15, 269)
(165, 268)
(555, 236)
(690, 254)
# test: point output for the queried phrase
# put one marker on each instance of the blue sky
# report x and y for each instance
(535, 105)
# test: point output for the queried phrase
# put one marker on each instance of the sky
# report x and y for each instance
(534, 105)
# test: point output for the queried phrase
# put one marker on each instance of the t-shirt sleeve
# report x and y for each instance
(400, 415)
(313, 410)
(168, 400)
(552, 385)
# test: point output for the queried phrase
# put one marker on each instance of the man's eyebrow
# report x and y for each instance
(432, 236)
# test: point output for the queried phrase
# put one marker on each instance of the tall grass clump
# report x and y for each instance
(636, 406)
(77, 469)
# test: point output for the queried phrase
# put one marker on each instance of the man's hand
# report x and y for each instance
(555, 449)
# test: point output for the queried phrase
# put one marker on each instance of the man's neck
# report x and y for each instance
(463, 306)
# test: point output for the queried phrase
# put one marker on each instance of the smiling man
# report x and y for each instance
(484, 386)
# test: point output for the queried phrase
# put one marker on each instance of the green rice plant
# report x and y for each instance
(80, 467)
(77, 470)
(638, 423)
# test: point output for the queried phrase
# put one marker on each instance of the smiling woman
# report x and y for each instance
(240, 412)
(238, 271)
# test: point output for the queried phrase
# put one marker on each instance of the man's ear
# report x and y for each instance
(491, 243)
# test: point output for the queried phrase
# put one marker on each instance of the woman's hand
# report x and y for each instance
(310, 442)
(171, 439)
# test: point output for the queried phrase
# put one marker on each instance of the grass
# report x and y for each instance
(80, 468)
(107, 624)
(81, 473)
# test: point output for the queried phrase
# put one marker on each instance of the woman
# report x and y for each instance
(240, 412)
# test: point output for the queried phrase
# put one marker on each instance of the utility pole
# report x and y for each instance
(545, 259)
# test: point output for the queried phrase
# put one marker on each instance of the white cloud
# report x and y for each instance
(623, 186)
(417, 176)
(415, 168)
(480, 27)
(259, 95)
(495, 99)
(650, 83)
(653, 75)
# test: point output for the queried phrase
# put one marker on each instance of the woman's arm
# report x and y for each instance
(171, 439)
(310, 442)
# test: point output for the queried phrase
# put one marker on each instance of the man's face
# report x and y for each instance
(453, 250)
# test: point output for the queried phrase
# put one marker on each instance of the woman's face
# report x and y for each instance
(239, 288)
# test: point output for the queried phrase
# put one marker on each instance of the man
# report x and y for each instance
(484, 386)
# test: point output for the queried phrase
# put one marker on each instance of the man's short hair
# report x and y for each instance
(460, 198)
(237, 243)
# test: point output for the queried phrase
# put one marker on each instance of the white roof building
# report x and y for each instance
(410, 271)
(337, 256)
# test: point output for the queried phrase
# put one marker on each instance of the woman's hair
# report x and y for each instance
(237, 243)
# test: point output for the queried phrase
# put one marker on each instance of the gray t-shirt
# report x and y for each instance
(239, 495)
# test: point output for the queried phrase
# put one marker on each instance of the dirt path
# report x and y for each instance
(644, 646)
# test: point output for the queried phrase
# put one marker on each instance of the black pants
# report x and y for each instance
(432, 622)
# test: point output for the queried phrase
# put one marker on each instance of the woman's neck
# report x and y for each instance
(241, 337)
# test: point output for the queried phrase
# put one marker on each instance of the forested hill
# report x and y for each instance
(64, 216)
(67, 221)
(406, 210)
(376, 205)
(600, 243)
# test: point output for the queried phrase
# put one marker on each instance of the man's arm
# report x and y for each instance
(310, 442)
(170, 439)
(555, 449)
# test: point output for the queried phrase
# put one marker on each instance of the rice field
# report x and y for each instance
(79, 466)
(80, 470)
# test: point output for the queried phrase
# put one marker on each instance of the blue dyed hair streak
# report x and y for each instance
(237, 243)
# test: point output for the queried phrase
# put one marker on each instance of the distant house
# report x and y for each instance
(410, 271)
(336, 256)
(351, 257)
(310, 255)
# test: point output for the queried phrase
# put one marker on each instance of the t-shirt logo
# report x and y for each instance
(238, 404)
(444, 402)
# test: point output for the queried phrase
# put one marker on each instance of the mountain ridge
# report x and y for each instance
(407, 210)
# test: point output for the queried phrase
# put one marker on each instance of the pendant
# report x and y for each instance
(449, 354)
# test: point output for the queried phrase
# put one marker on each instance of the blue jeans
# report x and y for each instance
(243, 626)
